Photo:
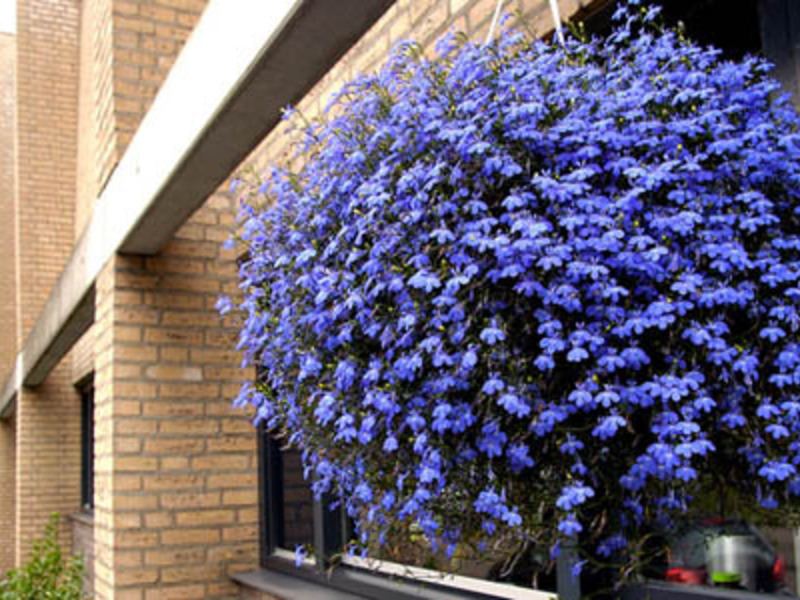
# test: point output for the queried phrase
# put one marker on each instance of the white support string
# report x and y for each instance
(495, 18)
(557, 21)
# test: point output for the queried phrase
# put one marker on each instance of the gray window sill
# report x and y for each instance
(84, 518)
(288, 587)
(280, 578)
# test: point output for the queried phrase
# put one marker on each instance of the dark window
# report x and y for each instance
(87, 446)
(730, 25)
(290, 515)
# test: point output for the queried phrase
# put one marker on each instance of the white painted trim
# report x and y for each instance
(459, 582)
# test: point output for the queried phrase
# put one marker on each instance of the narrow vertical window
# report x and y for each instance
(87, 446)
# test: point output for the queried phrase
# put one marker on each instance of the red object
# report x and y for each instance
(690, 576)
(777, 571)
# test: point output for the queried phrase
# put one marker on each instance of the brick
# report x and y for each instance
(175, 556)
(157, 13)
(194, 6)
(193, 574)
(173, 463)
(136, 539)
(205, 517)
(136, 353)
(173, 408)
(180, 446)
(247, 515)
(135, 463)
(170, 354)
(187, 318)
(126, 389)
(236, 443)
(240, 497)
(189, 390)
(133, 24)
(244, 425)
(190, 500)
(173, 336)
(127, 445)
(232, 480)
(184, 537)
(128, 521)
(127, 558)
(158, 520)
(173, 299)
(128, 483)
(221, 462)
(174, 372)
(181, 592)
(230, 553)
(188, 427)
(225, 373)
(241, 533)
(127, 577)
(126, 8)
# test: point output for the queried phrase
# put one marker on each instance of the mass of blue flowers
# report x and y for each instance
(534, 291)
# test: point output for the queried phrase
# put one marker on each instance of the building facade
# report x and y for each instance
(121, 124)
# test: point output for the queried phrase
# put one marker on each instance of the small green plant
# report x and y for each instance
(49, 575)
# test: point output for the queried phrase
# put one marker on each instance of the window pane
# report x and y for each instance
(296, 503)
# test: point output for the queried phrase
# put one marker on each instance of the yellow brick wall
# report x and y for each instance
(148, 35)
(47, 80)
(7, 493)
(8, 329)
(8, 316)
(175, 501)
(48, 459)
(96, 144)
(47, 419)
(127, 48)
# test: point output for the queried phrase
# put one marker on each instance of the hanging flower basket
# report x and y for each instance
(535, 292)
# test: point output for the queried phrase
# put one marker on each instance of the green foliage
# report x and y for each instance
(49, 575)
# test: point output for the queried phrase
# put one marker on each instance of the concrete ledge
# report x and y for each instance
(406, 583)
(245, 60)
(286, 587)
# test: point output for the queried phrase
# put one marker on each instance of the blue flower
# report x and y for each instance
(224, 305)
(519, 255)
(569, 526)
(573, 496)
(493, 385)
(514, 404)
(491, 335)
(423, 280)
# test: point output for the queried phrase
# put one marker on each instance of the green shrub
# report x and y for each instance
(49, 575)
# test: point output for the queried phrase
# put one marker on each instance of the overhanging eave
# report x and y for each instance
(245, 60)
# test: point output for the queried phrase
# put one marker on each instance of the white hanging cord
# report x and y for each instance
(495, 18)
(557, 21)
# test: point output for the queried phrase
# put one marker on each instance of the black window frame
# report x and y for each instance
(86, 391)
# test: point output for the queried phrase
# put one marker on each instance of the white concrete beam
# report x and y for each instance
(245, 60)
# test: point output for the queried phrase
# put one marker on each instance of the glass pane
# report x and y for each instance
(296, 502)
